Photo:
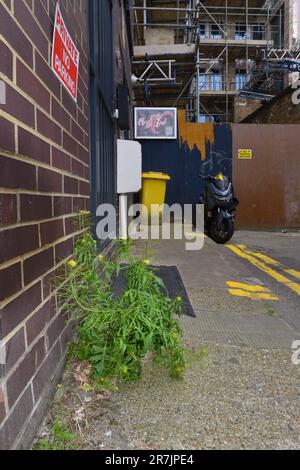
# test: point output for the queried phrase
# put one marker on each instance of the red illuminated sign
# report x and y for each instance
(65, 55)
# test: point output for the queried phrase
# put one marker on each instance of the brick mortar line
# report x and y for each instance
(40, 108)
(37, 404)
(27, 256)
(39, 193)
(38, 23)
(46, 166)
(17, 259)
(38, 222)
(22, 324)
(33, 71)
(35, 341)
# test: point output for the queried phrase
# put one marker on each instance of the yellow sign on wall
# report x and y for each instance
(245, 154)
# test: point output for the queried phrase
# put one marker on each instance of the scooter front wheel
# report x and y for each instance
(221, 233)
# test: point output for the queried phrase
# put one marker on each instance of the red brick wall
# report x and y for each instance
(44, 180)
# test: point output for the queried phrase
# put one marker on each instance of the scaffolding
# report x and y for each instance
(218, 52)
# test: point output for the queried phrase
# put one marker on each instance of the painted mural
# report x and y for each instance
(199, 149)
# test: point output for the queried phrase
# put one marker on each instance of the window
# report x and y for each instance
(202, 31)
(240, 80)
(216, 81)
(215, 31)
(240, 31)
(257, 31)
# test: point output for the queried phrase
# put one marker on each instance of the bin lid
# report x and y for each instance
(156, 176)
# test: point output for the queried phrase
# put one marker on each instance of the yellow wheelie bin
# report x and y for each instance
(153, 196)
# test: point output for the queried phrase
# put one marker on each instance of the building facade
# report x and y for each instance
(217, 58)
(57, 157)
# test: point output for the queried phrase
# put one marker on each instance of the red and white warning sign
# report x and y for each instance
(65, 55)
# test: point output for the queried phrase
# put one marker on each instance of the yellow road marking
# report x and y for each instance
(247, 287)
(257, 254)
(252, 295)
(195, 235)
(293, 272)
(294, 286)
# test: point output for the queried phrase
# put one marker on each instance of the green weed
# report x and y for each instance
(115, 334)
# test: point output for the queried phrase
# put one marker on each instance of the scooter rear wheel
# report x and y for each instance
(223, 235)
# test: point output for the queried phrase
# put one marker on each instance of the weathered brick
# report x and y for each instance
(43, 18)
(70, 185)
(48, 128)
(35, 207)
(83, 121)
(25, 371)
(77, 132)
(15, 174)
(62, 205)
(8, 209)
(83, 154)
(49, 280)
(14, 36)
(69, 144)
(10, 281)
(14, 349)
(45, 73)
(84, 188)
(49, 181)
(37, 265)
(63, 249)
(68, 103)
(60, 115)
(33, 147)
(56, 328)
(18, 241)
(16, 420)
(18, 106)
(78, 168)
(30, 26)
(17, 310)
(60, 159)
(78, 204)
(66, 336)
(51, 231)
(36, 323)
(70, 225)
(6, 60)
(7, 135)
(47, 370)
(28, 82)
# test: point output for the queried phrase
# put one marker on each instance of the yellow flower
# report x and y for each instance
(146, 262)
(124, 369)
(179, 299)
(84, 212)
(101, 258)
(72, 264)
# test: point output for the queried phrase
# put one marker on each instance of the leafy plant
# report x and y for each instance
(60, 438)
(116, 333)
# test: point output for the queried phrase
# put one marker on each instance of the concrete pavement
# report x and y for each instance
(241, 389)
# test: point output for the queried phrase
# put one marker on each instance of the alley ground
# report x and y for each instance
(242, 390)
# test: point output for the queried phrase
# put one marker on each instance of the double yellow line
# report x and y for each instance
(251, 292)
(268, 265)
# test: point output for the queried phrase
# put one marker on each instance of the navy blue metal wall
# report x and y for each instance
(184, 165)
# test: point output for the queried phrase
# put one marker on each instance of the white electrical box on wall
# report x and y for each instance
(129, 166)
